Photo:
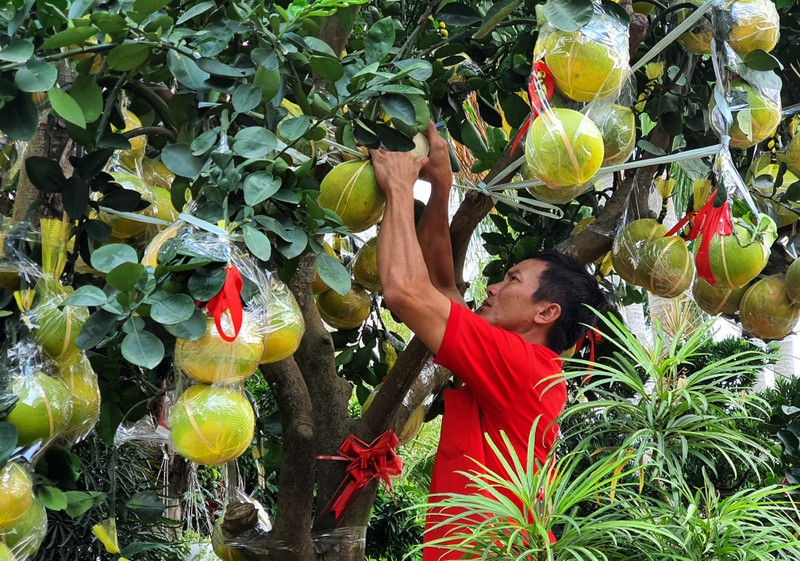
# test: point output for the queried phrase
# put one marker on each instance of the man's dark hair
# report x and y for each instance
(567, 283)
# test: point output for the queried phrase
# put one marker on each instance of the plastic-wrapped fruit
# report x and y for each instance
(56, 329)
(713, 300)
(559, 196)
(16, 494)
(211, 359)
(350, 190)
(150, 256)
(755, 24)
(212, 425)
(43, 409)
(619, 135)
(25, 536)
(6, 554)
(766, 311)
(564, 148)
(628, 244)
(76, 372)
(755, 114)
(793, 282)
(666, 267)
(221, 549)
(365, 266)
(282, 324)
(344, 312)
(768, 189)
(738, 258)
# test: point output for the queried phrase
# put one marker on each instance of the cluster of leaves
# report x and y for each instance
(397, 522)
(784, 424)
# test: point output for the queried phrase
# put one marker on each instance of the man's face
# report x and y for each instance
(509, 303)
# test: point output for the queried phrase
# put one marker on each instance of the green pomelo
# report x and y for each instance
(76, 372)
(16, 494)
(350, 190)
(26, 535)
(344, 312)
(792, 157)
(628, 244)
(564, 148)
(213, 360)
(713, 300)
(560, 196)
(212, 425)
(57, 328)
(736, 259)
(583, 68)
(793, 282)
(755, 120)
(666, 268)
(44, 408)
(766, 311)
(619, 135)
(758, 169)
(412, 426)
(365, 266)
(6, 554)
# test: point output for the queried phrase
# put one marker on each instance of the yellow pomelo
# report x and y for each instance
(738, 258)
(221, 549)
(344, 312)
(365, 266)
(16, 494)
(132, 159)
(150, 256)
(350, 190)
(628, 244)
(76, 372)
(160, 207)
(56, 329)
(755, 116)
(713, 300)
(213, 360)
(793, 281)
(564, 148)
(583, 67)
(758, 169)
(619, 135)
(559, 196)
(6, 554)
(666, 268)
(282, 342)
(756, 25)
(318, 286)
(25, 536)
(44, 408)
(155, 173)
(766, 311)
(282, 324)
(212, 425)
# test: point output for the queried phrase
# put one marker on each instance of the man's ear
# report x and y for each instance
(549, 312)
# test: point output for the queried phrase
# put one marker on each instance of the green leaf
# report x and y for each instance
(217, 68)
(45, 174)
(142, 348)
(95, 329)
(146, 505)
(186, 71)
(260, 186)
(458, 15)
(195, 11)
(380, 39)
(9, 434)
(648, 146)
(36, 77)
(66, 107)
(415, 68)
(203, 285)
(257, 243)
(107, 258)
(319, 46)
(18, 51)
(179, 160)
(203, 143)
(568, 15)
(246, 98)
(147, 7)
(297, 242)
(19, 118)
(72, 37)
(128, 56)
(87, 295)
(327, 67)
(170, 308)
(294, 128)
(80, 502)
(52, 498)
(496, 14)
(89, 96)
(333, 273)
(254, 142)
(191, 329)
(124, 277)
(761, 60)
(399, 107)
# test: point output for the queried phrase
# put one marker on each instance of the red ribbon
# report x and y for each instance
(541, 82)
(710, 221)
(377, 460)
(228, 298)
(592, 337)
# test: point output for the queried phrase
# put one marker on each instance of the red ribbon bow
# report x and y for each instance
(710, 221)
(542, 82)
(592, 337)
(377, 460)
(228, 298)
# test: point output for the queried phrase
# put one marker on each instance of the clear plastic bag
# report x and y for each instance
(25, 536)
(55, 327)
(746, 24)
(281, 322)
(16, 494)
(628, 245)
(76, 372)
(766, 310)
(122, 227)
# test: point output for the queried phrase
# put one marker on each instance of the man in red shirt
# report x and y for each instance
(506, 353)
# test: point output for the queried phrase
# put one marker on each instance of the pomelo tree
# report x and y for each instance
(222, 124)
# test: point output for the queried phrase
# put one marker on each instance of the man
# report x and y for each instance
(506, 353)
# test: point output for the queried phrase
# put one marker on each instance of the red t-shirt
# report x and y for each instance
(508, 384)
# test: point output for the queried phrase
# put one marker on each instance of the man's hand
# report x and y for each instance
(437, 171)
(396, 171)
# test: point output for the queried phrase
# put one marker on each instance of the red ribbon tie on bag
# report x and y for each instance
(228, 298)
(710, 221)
(377, 460)
(542, 82)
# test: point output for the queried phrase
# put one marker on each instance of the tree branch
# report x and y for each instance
(144, 131)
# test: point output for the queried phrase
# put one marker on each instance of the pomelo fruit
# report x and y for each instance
(213, 360)
(6, 554)
(365, 266)
(758, 169)
(212, 425)
(738, 258)
(123, 228)
(132, 159)
(282, 342)
(793, 282)
(155, 173)
(318, 286)
(25, 536)
(666, 268)
(628, 244)
(56, 329)
(413, 424)
(350, 190)
(150, 256)
(619, 135)
(344, 312)
(564, 148)
(559, 196)
(755, 115)
(44, 408)
(421, 146)
(76, 372)
(282, 324)
(754, 25)
(16, 494)
(766, 311)
(589, 63)
(221, 549)
(713, 300)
